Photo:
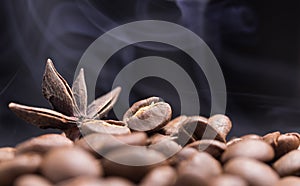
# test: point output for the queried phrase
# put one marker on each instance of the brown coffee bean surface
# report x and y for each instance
(32, 180)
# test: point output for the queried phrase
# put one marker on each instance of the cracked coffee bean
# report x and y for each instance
(289, 164)
(43, 144)
(65, 163)
(251, 148)
(282, 143)
(148, 115)
(253, 171)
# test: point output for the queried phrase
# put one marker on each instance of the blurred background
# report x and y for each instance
(255, 42)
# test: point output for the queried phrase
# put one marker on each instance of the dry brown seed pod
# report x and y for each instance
(254, 172)
(227, 180)
(148, 115)
(82, 181)
(23, 164)
(204, 163)
(160, 176)
(212, 147)
(282, 143)
(131, 163)
(6, 153)
(104, 127)
(289, 164)
(289, 181)
(256, 149)
(43, 144)
(65, 163)
(31, 180)
(100, 144)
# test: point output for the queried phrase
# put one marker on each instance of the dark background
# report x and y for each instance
(255, 42)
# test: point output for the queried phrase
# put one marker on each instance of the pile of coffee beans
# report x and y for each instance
(156, 151)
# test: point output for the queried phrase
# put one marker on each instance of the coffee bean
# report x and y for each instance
(64, 163)
(233, 141)
(200, 167)
(174, 125)
(160, 176)
(100, 144)
(43, 144)
(148, 115)
(31, 180)
(252, 136)
(227, 180)
(289, 181)
(165, 145)
(116, 181)
(212, 147)
(6, 153)
(282, 143)
(132, 163)
(104, 127)
(253, 171)
(182, 155)
(222, 126)
(82, 181)
(256, 149)
(289, 164)
(23, 164)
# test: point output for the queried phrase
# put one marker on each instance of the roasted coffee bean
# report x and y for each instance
(100, 144)
(43, 144)
(289, 181)
(221, 124)
(289, 164)
(104, 127)
(165, 145)
(82, 181)
(23, 164)
(6, 153)
(253, 171)
(174, 125)
(227, 180)
(32, 180)
(160, 176)
(256, 149)
(148, 115)
(132, 163)
(282, 143)
(116, 181)
(233, 141)
(182, 155)
(201, 166)
(212, 147)
(64, 163)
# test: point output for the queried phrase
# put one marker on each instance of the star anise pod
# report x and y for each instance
(71, 113)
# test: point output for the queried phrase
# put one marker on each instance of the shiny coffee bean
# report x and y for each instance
(104, 127)
(212, 147)
(200, 167)
(282, 143)
(31, 180)
(289, 164)
(6, 153)
(65, 163)
(253, 171)
(227, 180)
(251, 148)
(43, 144)
(148, 115)
(160, 176)
(174, 125)
(132, 163)
(252, 136)
(184, 154)
(82, 181)
(233, 141)
(289, 181)
(23, 164)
